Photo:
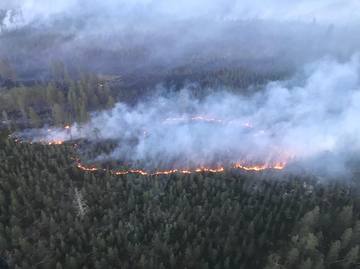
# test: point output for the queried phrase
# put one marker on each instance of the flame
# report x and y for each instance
(55, 142)
(279, 166)
(257, 168)
(240, 165)
(261, 167)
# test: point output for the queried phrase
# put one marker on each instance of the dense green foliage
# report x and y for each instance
(53, 215)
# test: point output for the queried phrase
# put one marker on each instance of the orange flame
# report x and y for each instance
(240, 165)
(262, 167)
(55, 142)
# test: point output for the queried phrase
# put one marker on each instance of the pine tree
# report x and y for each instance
(35, 120)
(334, 251)
(351, 257)
(110, 102)
(346, 238)
(293, 256)
(51, 96)
(307, 264)
(58, 114)
(83, 115)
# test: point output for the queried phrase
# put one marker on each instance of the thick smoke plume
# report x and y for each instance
(312, 119)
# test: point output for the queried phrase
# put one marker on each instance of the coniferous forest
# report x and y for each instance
(55, 216)
(187, 134)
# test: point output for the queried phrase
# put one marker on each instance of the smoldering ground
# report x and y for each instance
(309, 120)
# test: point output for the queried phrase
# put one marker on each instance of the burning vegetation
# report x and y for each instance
(80, 145)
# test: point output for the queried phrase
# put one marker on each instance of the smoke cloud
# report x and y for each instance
(329, 11)
(132, 36)
(310, 119)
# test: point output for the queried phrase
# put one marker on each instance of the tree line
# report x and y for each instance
(65, 98)
(53, 215)
(57, 102)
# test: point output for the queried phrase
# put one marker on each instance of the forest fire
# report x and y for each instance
(242, 165)
(255, 168)
(261, 167)
(55, 142)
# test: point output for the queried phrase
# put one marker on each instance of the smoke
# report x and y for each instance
(329, 11)
(311, 119)
(136, 36)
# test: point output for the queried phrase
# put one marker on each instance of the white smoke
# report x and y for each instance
(324, 11)
(314, 115)
(124, 37)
